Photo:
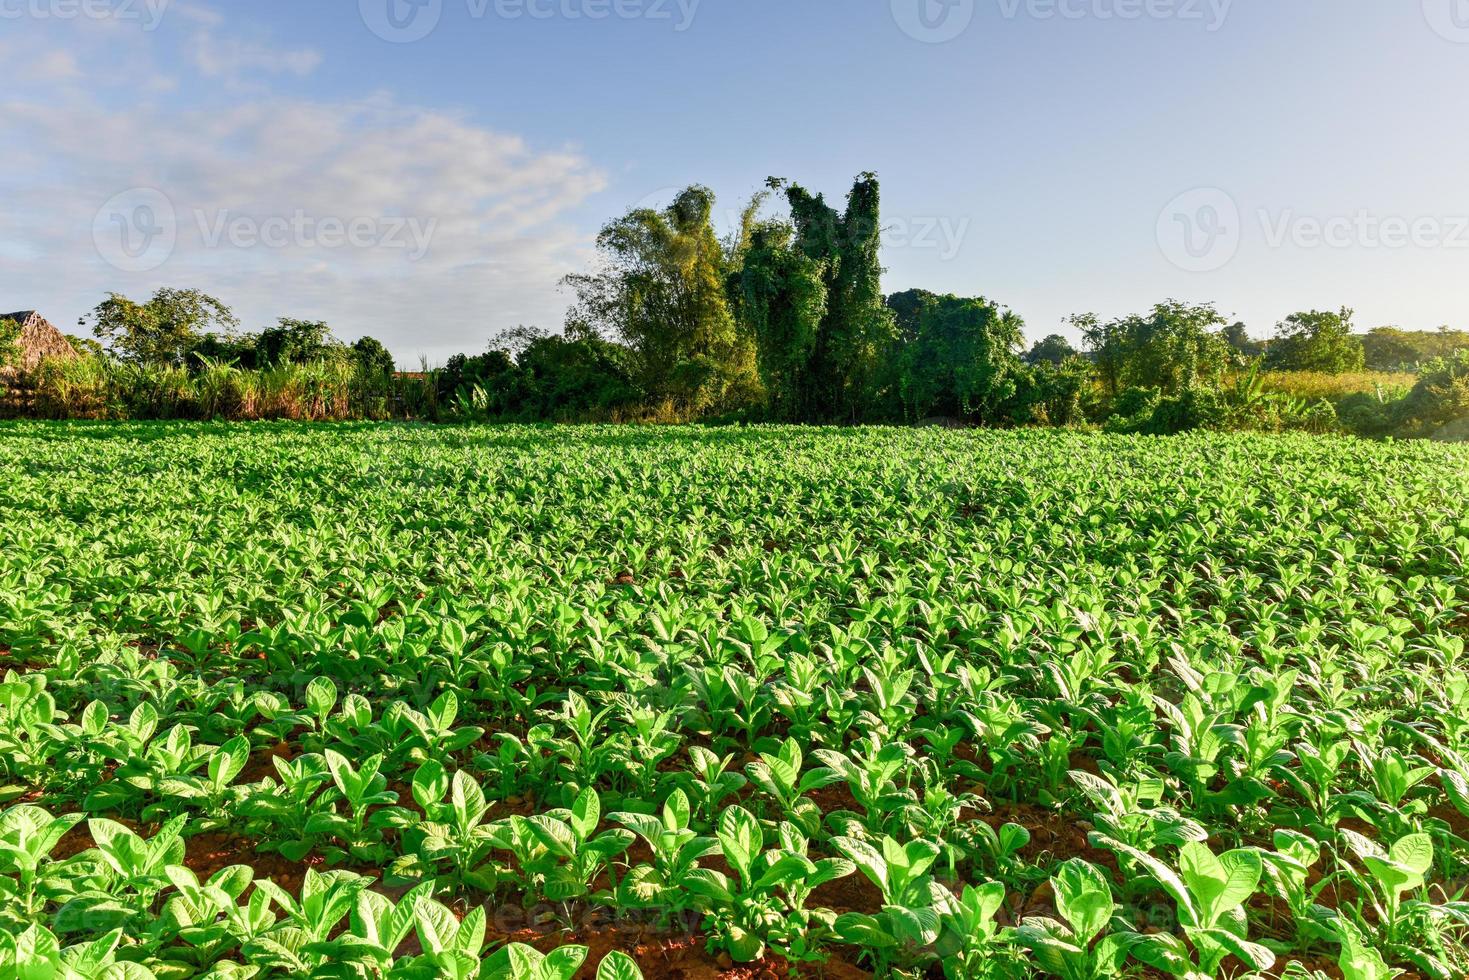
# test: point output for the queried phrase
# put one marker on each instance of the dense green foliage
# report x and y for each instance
(662, 292)
(1439, 398)
(1317, 341)
(9, 332)
(810, 294)
(781, 298)
(1392, 349)
(785, 321)
(1173, 349)
(162, 331)
(961, 359)
(373, 701)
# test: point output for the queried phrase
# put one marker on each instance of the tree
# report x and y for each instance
(373, 358)
(1317, 341)
(296, 342)
(1054, 350)
(780, 297)
(1051, 394)
(161, 331)
(964, 361)
(1237, 336)
(662, 292)
(86, 346)
(809, 294)
(1394, 349)
(857, 328)
(908, 308)
(1172, 349)
(236, 349)
(569, 378)
(494, 373)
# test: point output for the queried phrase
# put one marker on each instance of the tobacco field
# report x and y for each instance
(368, 701)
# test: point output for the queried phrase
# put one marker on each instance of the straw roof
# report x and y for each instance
(38, 340)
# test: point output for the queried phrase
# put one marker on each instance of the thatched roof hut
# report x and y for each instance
(38, 340)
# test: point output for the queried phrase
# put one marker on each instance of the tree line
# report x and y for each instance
(784, 320)
(190, 329)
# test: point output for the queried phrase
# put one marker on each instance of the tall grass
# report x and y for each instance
(1315, 385)
(94, 387)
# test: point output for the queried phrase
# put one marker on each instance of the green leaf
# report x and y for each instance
(556, 836)
(467, 800)
(321, 696)
(1164, 952)
(1253, 955)
(1084, 899)
(437, 926)
(617, 965)
(867, 859)
(562, 963)
(1414, 852)
(586, 813)
(1188, 912)
(857, 929)
(740, 839)
(1242, 872)
(430, 783)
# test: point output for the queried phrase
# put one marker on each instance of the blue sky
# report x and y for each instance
(1057, 156)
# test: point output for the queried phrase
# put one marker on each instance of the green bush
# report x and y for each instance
(1441, 396)
(1367, 414)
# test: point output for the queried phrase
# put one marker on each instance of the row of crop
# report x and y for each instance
(320, 803)
(134, 898)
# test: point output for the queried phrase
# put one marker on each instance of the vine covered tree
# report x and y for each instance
(857, 328)
(780, 296)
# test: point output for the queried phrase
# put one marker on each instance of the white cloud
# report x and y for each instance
(494, 204)
(239, 60)
(498, 208)
(195, 12)
(52, 66)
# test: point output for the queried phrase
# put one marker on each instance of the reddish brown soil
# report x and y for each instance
(262, 764)
(1051, 832)
(854, 893)
(1458, 823)
(208, 853)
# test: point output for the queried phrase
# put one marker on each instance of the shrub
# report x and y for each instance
(1441, 396)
